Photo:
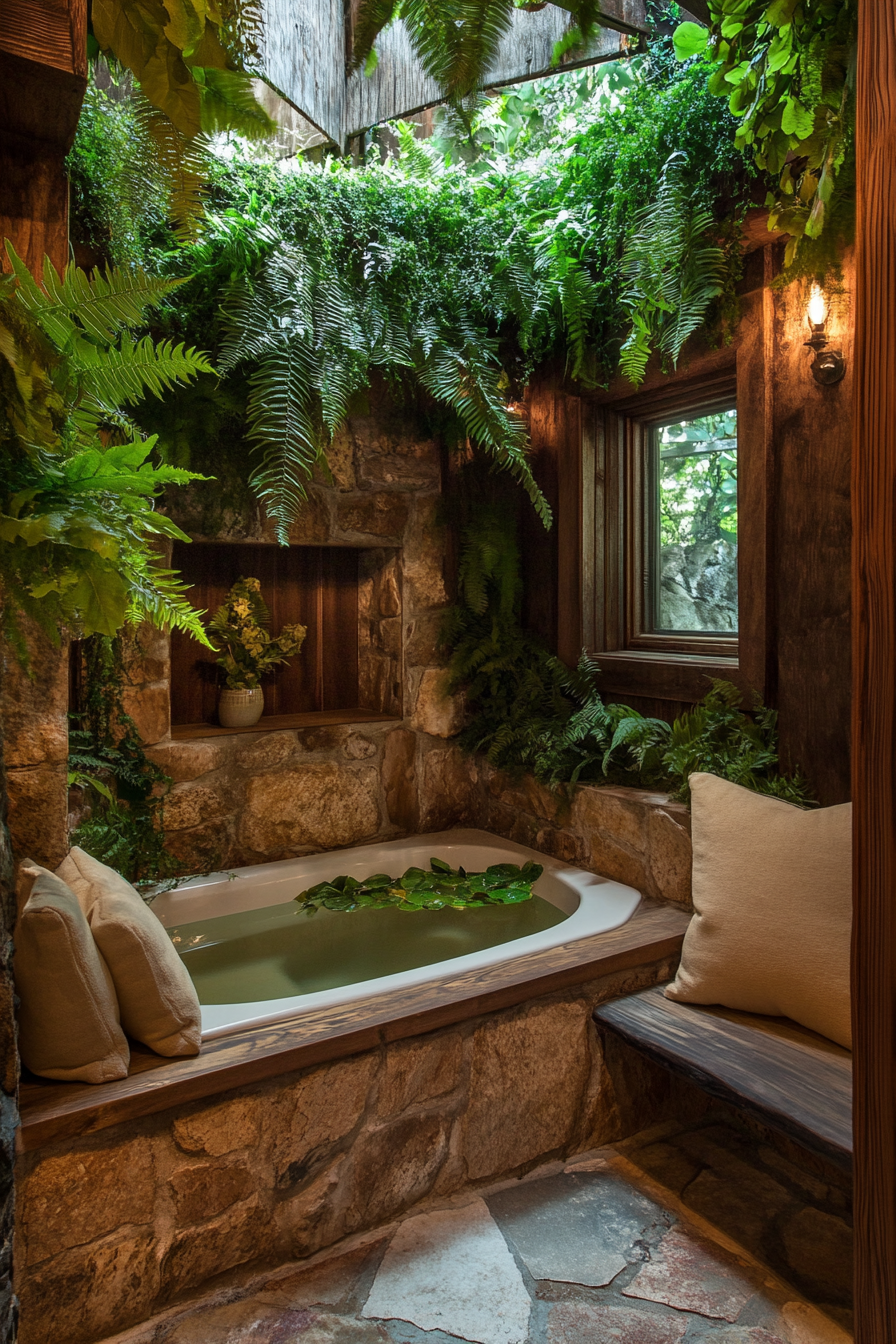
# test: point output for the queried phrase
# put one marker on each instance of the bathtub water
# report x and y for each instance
(255, 957)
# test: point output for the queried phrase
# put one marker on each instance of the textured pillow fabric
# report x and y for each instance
(68, 1014)
(155, 993)
(772, 887)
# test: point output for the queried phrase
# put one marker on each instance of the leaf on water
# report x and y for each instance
(502, 884)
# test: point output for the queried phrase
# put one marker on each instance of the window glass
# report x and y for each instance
(694, 526)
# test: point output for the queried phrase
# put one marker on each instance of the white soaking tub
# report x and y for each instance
(256, 957)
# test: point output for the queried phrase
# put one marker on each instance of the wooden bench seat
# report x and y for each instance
(770, 1068)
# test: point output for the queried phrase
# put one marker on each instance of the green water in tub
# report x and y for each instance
(279, 951)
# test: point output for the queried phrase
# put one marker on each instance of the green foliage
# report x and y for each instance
(78, 524)
(501, 884)
(453, 275)
(531, 714)
(787, 69)
(673, 273)
(698, 488)
(123, 827)
(239, 624)
(186, 58)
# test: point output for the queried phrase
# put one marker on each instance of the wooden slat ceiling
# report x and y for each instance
(305, 61)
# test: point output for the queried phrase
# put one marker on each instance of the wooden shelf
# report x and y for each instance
(272, 723)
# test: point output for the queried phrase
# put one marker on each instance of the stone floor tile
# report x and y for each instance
(692, 1275)
(452, 1271)
(583, 1228)
(746, 1334)
(324, 1284)
(584, 1323)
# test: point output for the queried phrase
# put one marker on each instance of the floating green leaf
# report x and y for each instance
(416, 889)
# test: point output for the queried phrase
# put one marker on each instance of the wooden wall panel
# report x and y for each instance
(316, 586)
(812, 526)
(874, 681)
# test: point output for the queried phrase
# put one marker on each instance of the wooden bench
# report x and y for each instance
(784, 1076)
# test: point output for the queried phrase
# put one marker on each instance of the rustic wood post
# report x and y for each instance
(874, 679)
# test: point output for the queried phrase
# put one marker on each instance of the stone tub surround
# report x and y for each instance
(597, 1250)
(117, 1225)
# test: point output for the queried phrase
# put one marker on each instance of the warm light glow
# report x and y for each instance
(818, 308)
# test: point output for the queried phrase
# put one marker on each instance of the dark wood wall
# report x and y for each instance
(794, 524)
(43, 76)
(874, 696)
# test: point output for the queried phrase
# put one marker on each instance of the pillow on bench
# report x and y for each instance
(158, 1003)
(772, 889)
(68, 1018)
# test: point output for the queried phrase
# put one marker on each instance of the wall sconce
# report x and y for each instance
(828, 366)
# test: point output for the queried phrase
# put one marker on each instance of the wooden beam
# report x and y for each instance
(306, 43)
(874, 679)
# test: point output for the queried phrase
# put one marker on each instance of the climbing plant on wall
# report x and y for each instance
(787, 69)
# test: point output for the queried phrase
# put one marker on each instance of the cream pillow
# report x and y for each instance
(158, 1002)
(68, 1013)
(772, 888)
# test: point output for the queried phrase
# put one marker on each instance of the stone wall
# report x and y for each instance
(632, 835)
(118, 1225)
(35, 731)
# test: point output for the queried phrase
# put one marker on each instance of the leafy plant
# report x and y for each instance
(312, 338)
(673, 273)
(78, 527)
(443, 886)
(531, 714)
(787, 69)
(123, 827)
(239, 624)
(187, 59)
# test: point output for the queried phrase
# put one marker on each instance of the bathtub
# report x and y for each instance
(578, 905)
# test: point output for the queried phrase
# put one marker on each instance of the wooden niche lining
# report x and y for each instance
(314, 586)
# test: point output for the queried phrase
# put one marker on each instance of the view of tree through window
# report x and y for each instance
(695, 527)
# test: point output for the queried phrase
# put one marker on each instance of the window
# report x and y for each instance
(665, 536)
(691, 528)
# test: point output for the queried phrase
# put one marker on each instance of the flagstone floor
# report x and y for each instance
(678, 1235)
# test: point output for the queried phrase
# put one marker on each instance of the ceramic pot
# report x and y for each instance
(240, 709)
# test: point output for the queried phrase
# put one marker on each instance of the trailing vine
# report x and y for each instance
(453, 284)
(123, 827)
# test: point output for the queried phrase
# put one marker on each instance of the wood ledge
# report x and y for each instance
(56, 1112)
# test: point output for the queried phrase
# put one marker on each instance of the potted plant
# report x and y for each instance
(240, 626)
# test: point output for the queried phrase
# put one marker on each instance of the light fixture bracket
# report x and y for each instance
(828, 366)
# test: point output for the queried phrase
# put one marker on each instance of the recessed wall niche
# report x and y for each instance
(349, 667)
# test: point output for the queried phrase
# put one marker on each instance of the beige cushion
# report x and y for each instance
(158, 1002)
(68, 1016)
(773, 899)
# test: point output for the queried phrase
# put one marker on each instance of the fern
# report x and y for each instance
(531, 714)
(672, 273)
(77, 517)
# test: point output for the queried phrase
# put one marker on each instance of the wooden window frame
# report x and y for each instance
(592, 530)
(616, 482)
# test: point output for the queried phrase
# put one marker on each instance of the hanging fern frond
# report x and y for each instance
(282, 428)
(672, 272)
